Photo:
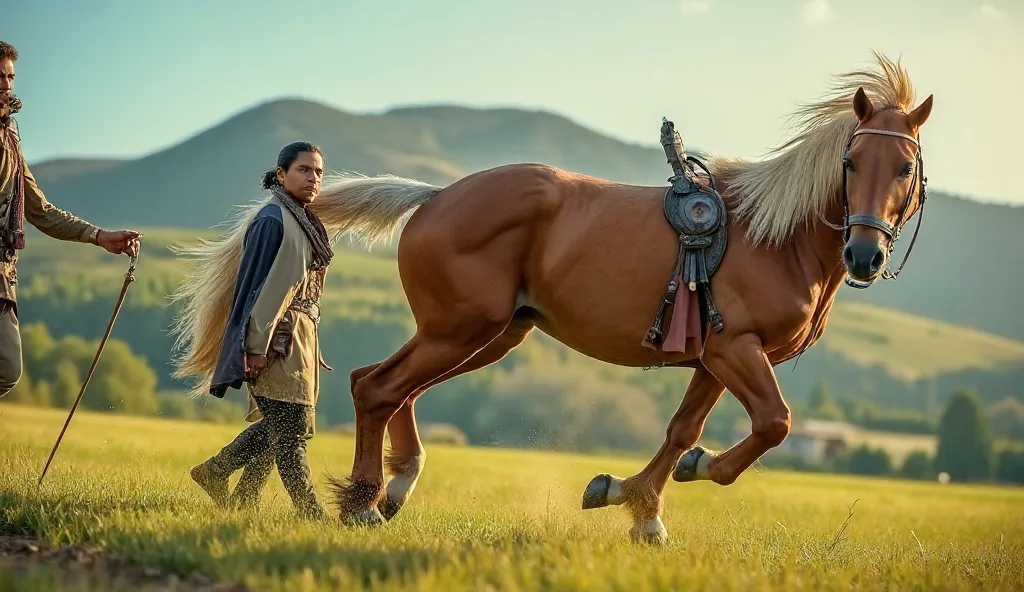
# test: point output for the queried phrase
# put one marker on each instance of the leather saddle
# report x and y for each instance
(698, 214)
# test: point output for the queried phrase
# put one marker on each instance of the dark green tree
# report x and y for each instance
(965, 445)
(1010, 466)
(865, 460)
(918, 465)
(820, 404)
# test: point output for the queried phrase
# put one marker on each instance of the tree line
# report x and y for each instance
(967, 450)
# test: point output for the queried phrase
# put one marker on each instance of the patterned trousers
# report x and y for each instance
(281, 436)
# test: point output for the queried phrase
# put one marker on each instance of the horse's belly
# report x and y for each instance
(598, 293)
(619, 346)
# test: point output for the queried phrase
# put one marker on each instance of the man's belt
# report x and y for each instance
(308, 307)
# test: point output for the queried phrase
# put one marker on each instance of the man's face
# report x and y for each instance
(6, 82)
(303, 178)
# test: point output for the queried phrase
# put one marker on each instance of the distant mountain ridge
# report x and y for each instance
(966, 248)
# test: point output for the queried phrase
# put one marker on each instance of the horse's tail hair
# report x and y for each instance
(370, 208)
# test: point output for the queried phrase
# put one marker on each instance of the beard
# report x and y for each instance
(9, 105)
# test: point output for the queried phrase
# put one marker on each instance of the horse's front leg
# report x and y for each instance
(642, 494)
(745, 370)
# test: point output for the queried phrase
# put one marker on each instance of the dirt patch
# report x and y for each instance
(83, 567)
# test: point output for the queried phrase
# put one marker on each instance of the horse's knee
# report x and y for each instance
(772, 427)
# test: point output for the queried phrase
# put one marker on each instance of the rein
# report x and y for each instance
(891, 231)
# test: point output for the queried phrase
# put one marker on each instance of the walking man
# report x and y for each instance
(21, 200)
(270, 339)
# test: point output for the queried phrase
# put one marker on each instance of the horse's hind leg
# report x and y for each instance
(446, 337)
(406, 458)
(642, 493)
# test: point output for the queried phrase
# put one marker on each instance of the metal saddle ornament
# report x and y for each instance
(698, 214)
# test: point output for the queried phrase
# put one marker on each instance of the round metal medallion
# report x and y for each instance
(700, 213)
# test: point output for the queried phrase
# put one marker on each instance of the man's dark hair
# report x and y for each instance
(7, 52)
(286, 157)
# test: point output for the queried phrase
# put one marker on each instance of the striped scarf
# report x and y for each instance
(311, 225)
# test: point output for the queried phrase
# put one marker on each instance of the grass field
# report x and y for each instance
(488, 520)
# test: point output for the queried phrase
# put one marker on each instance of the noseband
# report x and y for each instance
(891, 231)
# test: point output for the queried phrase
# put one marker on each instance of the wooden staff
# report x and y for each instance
(129, 277)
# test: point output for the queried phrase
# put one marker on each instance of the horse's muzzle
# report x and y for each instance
(864, 258)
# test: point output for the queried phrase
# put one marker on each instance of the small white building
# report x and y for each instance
(815, 440)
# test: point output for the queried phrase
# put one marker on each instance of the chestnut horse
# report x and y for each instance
(488, 258)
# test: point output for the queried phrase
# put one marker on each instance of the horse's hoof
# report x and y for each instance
(366, 517)
(651, 532)
(389, 507)
(690, 467)
(596, 494)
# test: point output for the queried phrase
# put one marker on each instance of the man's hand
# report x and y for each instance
(255, 364)
(119, 241)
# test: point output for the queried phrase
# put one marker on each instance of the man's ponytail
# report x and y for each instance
(270, 178)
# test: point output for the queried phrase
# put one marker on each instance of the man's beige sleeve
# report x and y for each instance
(50, 219)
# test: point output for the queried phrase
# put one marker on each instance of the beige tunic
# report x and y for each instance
(283, 324)
(40, 213)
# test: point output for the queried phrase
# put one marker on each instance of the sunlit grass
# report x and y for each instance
(499, 519)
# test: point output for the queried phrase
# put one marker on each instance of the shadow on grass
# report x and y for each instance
(242, 548)
(338, 565)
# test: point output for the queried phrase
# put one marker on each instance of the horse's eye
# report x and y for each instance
(848, 164)
(906, 170)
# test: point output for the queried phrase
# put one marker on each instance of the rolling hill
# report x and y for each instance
(965, 269)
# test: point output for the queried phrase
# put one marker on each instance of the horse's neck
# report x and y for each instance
(826, 245)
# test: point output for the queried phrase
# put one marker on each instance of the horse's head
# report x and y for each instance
(883, 185)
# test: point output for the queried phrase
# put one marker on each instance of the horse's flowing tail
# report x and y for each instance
(370, 208)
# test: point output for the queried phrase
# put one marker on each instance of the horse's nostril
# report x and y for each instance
(848, 256)
(877, 261)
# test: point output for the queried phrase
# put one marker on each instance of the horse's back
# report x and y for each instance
(539, 199)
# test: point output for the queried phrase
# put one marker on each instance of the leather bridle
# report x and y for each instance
(890, 230)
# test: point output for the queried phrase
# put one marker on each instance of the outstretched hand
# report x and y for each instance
(119, 241)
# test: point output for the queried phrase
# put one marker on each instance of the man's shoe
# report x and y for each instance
(215, 486)
(313, 511)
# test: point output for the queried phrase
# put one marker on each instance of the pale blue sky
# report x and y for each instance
(120, 78)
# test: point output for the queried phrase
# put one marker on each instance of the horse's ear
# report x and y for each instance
(917, 117)
(862, 105)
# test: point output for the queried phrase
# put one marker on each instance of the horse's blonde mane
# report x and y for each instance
(802, 176)
(370, 208)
